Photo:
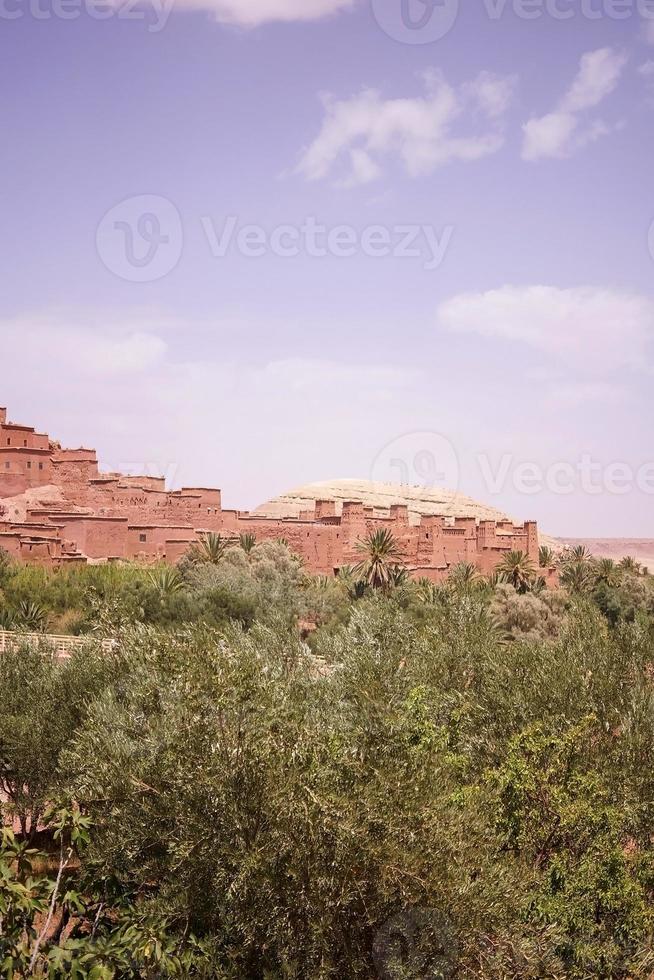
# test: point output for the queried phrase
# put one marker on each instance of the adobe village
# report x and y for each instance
(375, 717)
(342, 259)
(56, 507)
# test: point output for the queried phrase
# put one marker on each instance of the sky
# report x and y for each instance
(258, 243)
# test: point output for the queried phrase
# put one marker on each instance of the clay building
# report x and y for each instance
(57, 507)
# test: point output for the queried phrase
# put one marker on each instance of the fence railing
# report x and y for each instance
(63, 646)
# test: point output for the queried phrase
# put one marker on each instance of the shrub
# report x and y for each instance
(528, 616)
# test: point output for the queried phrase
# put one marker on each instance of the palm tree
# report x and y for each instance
(607, 572)
(546, 557)
(427, 592)
(381, 556)
(518, 570)
(579, 553)
(31, 616)
(578, 577)
(247, 542)
(355, 587)
(166, 581)
(630, 565)
(209, 550)
(463, 576)
(399, 576)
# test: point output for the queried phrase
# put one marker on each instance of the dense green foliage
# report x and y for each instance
(452, 780)
(215, 584)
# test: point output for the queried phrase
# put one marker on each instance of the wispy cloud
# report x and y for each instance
(561, 132)
(592, 331)
(245, 423)
(99, 350)
(253, 13)
(573, 395)
(426, 132)
(646, 71)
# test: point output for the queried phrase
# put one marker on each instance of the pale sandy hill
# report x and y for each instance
(380, 496)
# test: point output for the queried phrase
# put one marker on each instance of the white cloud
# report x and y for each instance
(590, 330)
(646, 71)
(248, 425)
(575, 394)
(253, 13)
(599, 74)
(256, 426)
(424, 132)
(304, 375)
(364, 168)
(97, 353)
(561, 132)
(549, 136)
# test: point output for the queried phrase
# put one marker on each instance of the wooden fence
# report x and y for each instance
(63, 646)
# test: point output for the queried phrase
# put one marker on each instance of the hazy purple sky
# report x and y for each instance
(509, 352)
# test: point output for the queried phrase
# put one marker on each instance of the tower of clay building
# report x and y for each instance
(353, 530)
(325, 509)
(431, 546)
(531, 528)
(25, 461)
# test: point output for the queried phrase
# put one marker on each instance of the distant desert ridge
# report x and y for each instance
(642, 549)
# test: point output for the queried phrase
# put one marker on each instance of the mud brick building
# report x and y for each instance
(57, 507)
